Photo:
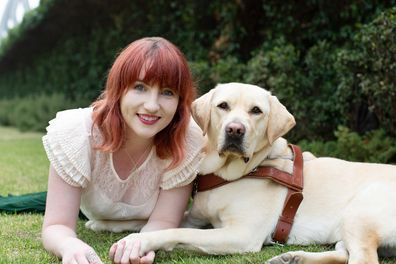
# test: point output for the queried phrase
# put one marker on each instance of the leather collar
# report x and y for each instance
(293, 181)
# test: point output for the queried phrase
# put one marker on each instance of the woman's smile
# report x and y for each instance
(148, 119)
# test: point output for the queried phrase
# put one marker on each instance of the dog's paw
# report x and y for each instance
(98, 226)
(95, 225)
(146, 241)
(286, 258)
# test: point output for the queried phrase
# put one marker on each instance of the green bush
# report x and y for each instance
(32, 113)
(368, 74)
(228, 69)
(201, 71)
(306, 85)
(374, 146)
(307, 54)
(275, 67)
(206, 75)
(326, 85)
(6, 107)
(75, 70)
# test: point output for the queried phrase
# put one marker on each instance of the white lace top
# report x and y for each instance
(69, 145)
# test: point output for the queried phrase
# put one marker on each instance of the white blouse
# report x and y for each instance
(69, 145)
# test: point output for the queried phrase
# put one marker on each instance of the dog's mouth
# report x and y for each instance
(232, 148)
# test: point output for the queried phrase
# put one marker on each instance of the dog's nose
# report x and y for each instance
(235, 129)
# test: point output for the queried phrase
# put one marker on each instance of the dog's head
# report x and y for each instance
(241, 119)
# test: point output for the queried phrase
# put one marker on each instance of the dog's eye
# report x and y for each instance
(256, 110)
(223, 106)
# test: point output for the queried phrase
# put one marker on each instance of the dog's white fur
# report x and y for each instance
(348, 203)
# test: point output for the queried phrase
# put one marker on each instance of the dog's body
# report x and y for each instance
(346, 202)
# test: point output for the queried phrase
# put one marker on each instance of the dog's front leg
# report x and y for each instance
(226, 240)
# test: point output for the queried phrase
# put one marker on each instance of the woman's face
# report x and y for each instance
(147, 109)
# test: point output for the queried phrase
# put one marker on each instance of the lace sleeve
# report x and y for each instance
(68, 146)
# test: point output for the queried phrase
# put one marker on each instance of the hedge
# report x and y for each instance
(330, 63)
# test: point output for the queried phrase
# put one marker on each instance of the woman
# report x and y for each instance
(131, 156)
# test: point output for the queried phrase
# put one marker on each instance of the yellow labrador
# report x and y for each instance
(348, 203)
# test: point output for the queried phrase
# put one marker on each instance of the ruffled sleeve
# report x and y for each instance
(186, 172)
(68, 145)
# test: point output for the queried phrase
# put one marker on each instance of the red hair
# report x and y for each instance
(167, 68)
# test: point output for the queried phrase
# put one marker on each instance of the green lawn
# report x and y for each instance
(23, 169)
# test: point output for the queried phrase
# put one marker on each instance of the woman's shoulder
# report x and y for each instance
(72, 119)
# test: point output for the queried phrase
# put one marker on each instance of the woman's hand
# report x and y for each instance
(74, 251)
(136, 248)
(127, 251)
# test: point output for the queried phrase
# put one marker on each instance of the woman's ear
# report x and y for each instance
(280, 121)
(201, 110)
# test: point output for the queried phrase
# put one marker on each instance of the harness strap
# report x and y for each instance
(294, 183)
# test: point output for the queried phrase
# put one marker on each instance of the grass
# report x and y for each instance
(23, 169)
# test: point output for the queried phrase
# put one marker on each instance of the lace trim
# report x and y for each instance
(68, 147)
(137, 189)
(62, 165)
(70, 131)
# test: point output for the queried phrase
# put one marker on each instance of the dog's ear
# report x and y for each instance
(280, 121)
(201, 110)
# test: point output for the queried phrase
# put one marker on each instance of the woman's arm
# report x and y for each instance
(168, 213)
(169, 209)
(60, 220)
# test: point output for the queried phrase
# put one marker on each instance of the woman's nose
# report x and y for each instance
(152, 104)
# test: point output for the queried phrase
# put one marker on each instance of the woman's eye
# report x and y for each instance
(168, 92)
(223, 106)
(139, 87)
(256, 110)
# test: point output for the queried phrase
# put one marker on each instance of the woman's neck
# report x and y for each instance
(131, 156)
(137, 145)
(134, 144)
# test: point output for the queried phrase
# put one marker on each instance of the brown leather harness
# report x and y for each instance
(294, 183)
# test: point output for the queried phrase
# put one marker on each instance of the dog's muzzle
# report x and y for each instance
(234, 135)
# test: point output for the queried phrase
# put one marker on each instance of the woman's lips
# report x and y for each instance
(148, 119)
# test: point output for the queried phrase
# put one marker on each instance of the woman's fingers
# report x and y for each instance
(134, 257)
(119, 252)
(73, 261)
(148, 259)
(81, 259)
(127, 252)
(92, 258)
(112, 251)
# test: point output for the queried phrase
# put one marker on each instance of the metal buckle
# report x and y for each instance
(253, 171)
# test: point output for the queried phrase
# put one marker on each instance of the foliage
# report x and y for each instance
(368, 73)
(227, 69)
(66, 69)
(307, 91)
(327, 62)
(374, 146)
(200, 71)
(33, 112)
